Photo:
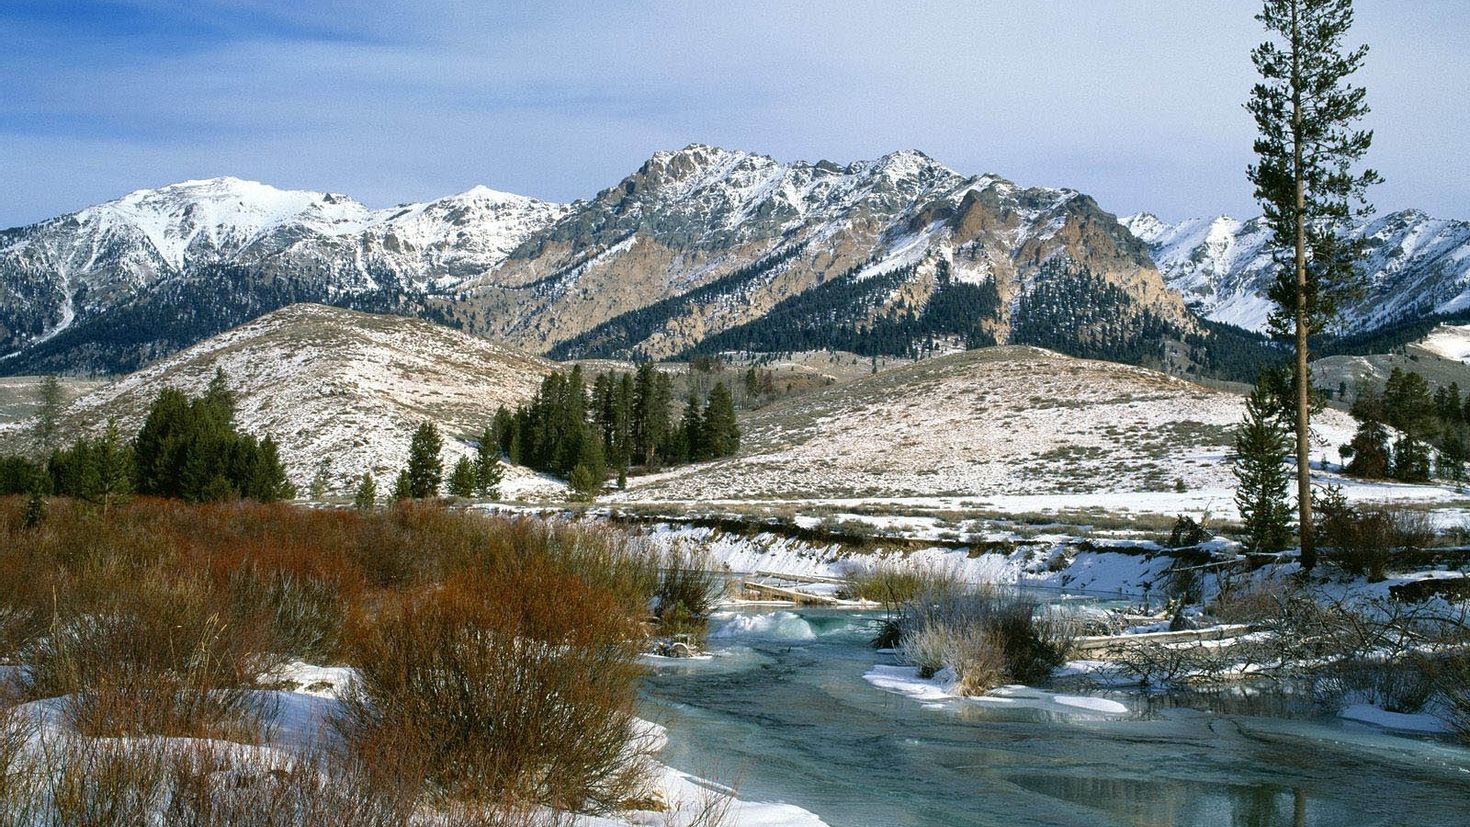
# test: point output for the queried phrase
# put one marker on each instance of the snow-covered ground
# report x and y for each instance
(341, 390)
(1448, 342)
(997, 423)
(298, 714)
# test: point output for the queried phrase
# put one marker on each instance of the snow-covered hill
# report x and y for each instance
(1416, 266)
(338, 386)
(998, 422)
(694, 243)
(1447, 342)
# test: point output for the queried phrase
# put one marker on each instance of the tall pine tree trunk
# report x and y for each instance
(1303, 375)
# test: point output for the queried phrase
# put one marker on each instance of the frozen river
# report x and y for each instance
(783, 712)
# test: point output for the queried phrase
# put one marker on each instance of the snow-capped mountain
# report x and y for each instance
(222, 247)
(1416, 266)
(703, 241)
(697, 243)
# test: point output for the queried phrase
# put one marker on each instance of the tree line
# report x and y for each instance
(187, 448)
(624, 420)
(1433, 431)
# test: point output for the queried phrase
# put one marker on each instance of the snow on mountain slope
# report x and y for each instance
(1415, 266)
(1007, 421)
(695, 221)
(690, 228)
(1448, 342)
(338, 386)
(78, 267)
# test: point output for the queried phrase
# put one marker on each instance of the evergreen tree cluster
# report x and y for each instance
(1432, 425)
(822, 318)
(623, 421)
(188, 448)
(1072, 311)
(187, 311)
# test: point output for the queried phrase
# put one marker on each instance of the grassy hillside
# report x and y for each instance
(336, 386)
(998, 421)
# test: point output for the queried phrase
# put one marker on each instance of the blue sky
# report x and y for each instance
(1137, 102)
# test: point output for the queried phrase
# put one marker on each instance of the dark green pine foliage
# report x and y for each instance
(402, 486)
(1368, 452)
(1408, 405)
(96, 470)
(832, 316)
(49, 402)
(690, 439)
(190, 449)
(463, 480)
(1307, 148)
(1261, 475)
(488, 472)
(366, 498)
(650, 424)
(721, 434)
(185, 311)
(620, 336)
(1072, 311)
(425, 469)
(1411, 461)
(1453, 453)
(622, 423)
(18, 474)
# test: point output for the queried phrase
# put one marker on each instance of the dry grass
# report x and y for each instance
(497, 658)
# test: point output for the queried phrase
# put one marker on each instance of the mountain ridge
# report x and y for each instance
(1416, 266)
(114, 286)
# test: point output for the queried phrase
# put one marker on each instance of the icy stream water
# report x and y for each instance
(783, 712)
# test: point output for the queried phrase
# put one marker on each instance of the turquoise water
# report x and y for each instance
(782, 712)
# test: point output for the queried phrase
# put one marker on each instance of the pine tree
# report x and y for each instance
(114, 467)
(691, 432)
(1452, 456)
(402, 486)
(319, 480)
(1261, 445)
(35, 512)
(366, 498)
(1304, 179)
(488, 472)
(721, 433)
(1410, 460)
(463, 480)
(49, 402)
(1408, 405)
(584, 483)
(1369, 451)
(219, 396)
(425, 469)
(267, 477)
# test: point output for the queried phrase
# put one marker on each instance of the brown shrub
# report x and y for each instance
(526, 697)
(154, 659)
(159, 617)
